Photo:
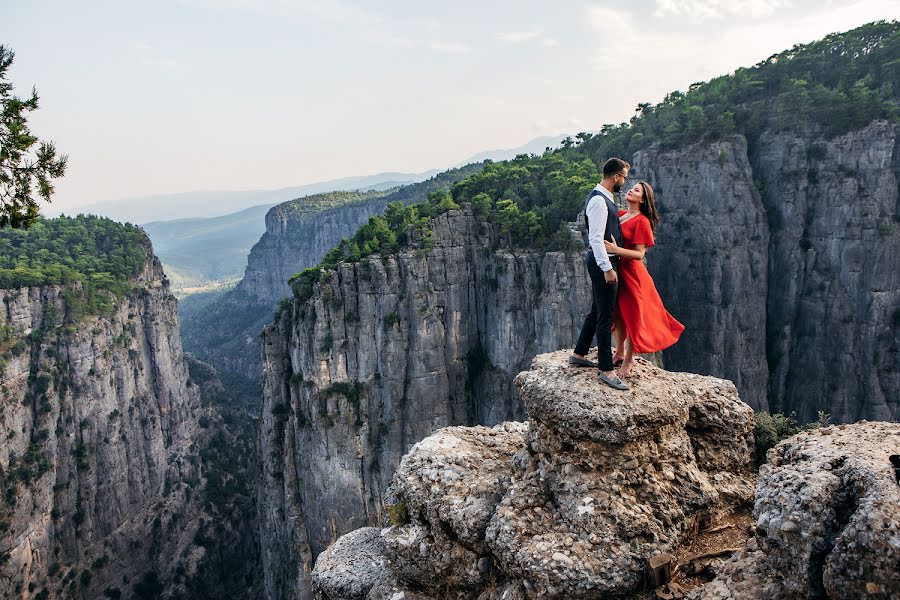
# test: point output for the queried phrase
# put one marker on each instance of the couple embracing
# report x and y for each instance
(625, 299)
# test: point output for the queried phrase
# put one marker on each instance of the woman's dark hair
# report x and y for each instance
(648, 206)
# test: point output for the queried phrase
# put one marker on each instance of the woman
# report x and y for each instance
(642, 324)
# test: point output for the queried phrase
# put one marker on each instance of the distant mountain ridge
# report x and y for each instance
(216, 203)
(198, 251)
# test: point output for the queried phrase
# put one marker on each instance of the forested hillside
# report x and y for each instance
(223, 328)
(96, 258)
(781, 127)
(835, 85)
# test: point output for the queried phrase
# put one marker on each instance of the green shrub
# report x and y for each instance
(771, 428)
(397, 514)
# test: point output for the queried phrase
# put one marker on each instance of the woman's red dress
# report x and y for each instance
(640, 309)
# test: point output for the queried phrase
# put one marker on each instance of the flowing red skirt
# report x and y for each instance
(640, 310)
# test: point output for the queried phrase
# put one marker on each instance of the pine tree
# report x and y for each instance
(22, 167)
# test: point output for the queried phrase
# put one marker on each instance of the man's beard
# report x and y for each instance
(617, 187)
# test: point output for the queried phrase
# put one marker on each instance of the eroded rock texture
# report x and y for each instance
(827, 506)
(100, 469)
(298, 235)
(385, 352)
(780, 260)
(573, 504)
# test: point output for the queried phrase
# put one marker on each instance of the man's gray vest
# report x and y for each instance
(613, 226)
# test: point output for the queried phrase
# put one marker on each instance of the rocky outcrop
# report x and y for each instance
(719, 265)
(826, 509)
(100, 470)
(385, 352)
(832, 303)
(296, 240)
(779, 259)
(571, 505)
(710, 260)
(298, 235)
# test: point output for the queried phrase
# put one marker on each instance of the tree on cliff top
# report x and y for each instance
(22, 167)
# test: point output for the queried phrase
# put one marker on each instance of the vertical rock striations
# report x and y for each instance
(780, 260)
(383, 353)
(572, 504)
(834, 254)
(100, 470)
(298, 235)
(710, 260)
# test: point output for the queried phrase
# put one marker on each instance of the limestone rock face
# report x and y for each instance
(385, 352)
(351, 568)
(827, 507)
(297, 236)
(454, 478)
(573, 504)
(780, 259)
(100, 467)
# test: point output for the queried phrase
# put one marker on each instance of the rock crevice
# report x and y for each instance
(572, 504)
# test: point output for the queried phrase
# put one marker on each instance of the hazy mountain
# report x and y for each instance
(199, 251)
(215, 203)
(535, 146)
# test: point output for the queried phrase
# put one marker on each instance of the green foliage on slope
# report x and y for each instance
(94, 257)
(771, 428)
(309, 206)
(528, 198)
(837, 84)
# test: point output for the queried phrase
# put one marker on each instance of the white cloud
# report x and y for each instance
(150, 56)
(387, 39)
(663, 50)
(608, 21)
(520, 37)
(703, 10)
(168, 64)
(336, 11)
(448, 47)
(516, 37)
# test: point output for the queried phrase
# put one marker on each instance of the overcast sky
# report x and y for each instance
(179, 95)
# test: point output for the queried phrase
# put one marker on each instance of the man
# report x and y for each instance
(601, 216)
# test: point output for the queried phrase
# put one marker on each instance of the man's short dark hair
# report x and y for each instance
(613, 166)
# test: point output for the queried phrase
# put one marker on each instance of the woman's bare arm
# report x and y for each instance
(636, 254)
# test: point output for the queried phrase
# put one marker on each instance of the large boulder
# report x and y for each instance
(574, 503)
(349, 568)
(827, 507)
(614, 478)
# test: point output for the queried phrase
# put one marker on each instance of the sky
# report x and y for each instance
(181, 95)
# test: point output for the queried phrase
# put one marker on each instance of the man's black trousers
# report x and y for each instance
(598, 323)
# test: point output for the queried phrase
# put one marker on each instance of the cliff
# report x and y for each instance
(779, 260)
(298, 234)
(573, 504)
(100, 470)
(371, 364)
(386, 351)
(826, 520)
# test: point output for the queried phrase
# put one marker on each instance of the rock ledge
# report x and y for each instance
(572, 504)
